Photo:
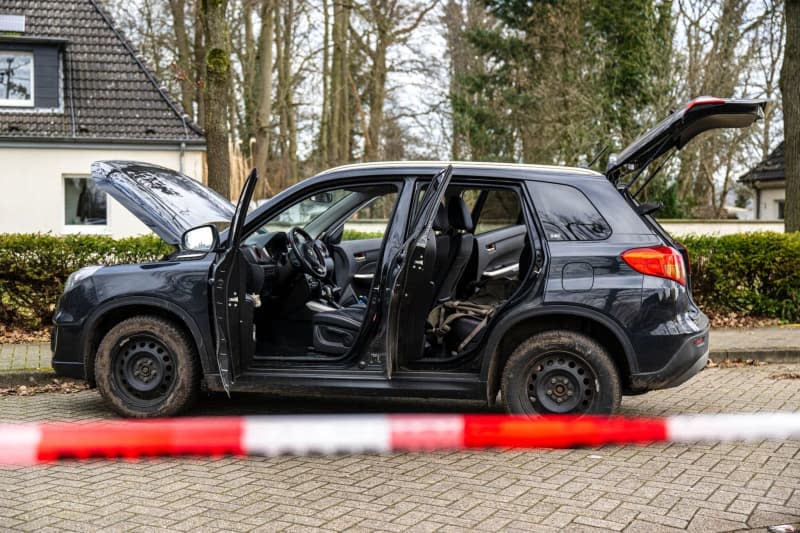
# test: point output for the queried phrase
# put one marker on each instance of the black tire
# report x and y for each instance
(147, 367)
(560, 372)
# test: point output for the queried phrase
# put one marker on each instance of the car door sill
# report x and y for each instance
(361, 382)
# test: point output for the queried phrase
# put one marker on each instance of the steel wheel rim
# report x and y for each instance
(561, 383)
(143, 370)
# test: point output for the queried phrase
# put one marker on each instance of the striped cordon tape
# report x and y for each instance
(333, 434)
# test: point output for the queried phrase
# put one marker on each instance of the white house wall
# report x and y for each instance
(32, 186)
(769, 202)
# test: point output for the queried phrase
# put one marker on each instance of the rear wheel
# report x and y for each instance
(560, 372)
(146, 367)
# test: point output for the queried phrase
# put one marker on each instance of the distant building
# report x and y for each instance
(768, 180)
(73, 91)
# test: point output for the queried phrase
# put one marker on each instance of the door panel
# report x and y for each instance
(411, 262)
(355, 264)
(498, 251)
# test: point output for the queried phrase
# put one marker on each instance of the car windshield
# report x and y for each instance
(306, 211)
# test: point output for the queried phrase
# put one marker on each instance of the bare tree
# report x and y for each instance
(389, 23)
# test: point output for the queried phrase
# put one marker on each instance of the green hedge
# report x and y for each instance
(753, 274)
(34, 267)
(756, 274)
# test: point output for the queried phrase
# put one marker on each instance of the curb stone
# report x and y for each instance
(765, 355)
(39, 376)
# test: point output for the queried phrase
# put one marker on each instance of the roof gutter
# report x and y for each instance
(100, 144)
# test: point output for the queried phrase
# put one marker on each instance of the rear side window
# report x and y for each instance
(500, 210)
(567, 214)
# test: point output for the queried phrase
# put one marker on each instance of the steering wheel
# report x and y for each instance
(308, 252)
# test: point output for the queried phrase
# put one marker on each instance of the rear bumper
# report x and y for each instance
(687, 361)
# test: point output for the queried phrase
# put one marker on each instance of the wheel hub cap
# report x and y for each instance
(561, 383)
(143, 368)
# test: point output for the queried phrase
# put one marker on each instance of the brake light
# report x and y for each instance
(660, 261)
(703, 100)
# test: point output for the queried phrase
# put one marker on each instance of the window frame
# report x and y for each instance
(4, 102)
(82, 228)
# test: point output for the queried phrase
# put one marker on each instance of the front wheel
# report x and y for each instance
(560, 372)
(146, 367)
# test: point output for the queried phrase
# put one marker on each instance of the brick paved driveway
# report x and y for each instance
(719, 487)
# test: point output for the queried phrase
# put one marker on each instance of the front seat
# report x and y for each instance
(335, 331)
(459, 249)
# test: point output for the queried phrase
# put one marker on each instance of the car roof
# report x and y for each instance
(524, 171)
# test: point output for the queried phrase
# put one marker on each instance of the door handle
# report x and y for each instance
(360, 256)
(491, 248)
(364, 276)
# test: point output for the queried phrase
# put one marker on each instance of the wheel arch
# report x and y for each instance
(108, 315)
(514, 330)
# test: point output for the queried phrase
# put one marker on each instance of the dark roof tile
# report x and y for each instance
(771, 168)
(113, 94)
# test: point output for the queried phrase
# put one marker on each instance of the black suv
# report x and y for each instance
(549, 285)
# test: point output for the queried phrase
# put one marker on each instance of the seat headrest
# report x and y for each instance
(459, 214)
(442, 221)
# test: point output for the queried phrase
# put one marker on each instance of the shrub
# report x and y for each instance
(754, 274)
(356, 235)
(34, 267)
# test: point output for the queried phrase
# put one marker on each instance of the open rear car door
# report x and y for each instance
(701, 114)
(233, 312)
(406, 328)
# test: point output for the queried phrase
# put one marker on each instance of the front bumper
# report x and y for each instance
(66, 346)
(687, 361)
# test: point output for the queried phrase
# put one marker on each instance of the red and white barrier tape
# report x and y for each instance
(329, 434)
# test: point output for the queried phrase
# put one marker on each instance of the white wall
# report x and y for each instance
(769, 203)
(32, 186)
(719, 227)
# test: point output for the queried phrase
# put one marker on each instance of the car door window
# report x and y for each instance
(501, 209)
(371, 220)
(567, 214)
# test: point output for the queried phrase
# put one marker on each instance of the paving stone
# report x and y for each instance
(663, 487)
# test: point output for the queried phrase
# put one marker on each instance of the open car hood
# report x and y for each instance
(168, 202)
(701, 114)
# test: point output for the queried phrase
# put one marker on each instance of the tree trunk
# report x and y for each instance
(218, 77)
(325, 119)
(199, 65)
(264, 89)
(184, 63)
(339, 134)
(377, 97)
(790, 89)
(247, 61)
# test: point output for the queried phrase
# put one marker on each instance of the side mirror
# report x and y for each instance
(200, 239)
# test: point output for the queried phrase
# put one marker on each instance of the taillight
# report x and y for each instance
(661, 261)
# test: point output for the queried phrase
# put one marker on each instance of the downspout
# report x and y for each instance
(758, 202)
(183, 152)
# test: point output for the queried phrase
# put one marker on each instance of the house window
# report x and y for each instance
(84, 203)
(781, 204)
(16, 78)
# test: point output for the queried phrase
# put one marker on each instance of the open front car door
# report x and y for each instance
(229, 292)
